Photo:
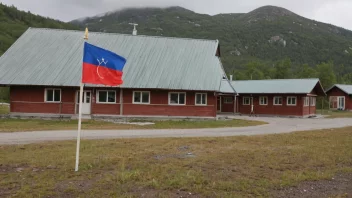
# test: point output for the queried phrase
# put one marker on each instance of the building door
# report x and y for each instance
(86, 102)
(333, 102)
(219, 104)
(341, 103)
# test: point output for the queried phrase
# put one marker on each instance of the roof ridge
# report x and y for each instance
(111, 33)
(280, 79)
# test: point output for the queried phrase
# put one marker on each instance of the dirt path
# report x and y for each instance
(276, 125)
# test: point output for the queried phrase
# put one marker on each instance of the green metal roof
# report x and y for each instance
(345, 88)
(226, 87)
(54, 58)
(284, 86)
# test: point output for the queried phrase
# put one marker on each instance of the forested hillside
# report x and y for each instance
(267, 43)
(13, 23)
(254, 45)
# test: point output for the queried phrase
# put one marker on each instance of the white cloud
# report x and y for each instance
(331, 11)
(337, 13)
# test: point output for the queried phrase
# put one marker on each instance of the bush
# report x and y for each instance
(4, 94)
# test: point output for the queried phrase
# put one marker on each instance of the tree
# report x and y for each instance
(347, 79)
(283, 69)
(305, 71)
(239, 75)
(326, 74)
(253, 71)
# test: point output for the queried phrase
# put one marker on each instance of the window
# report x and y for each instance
(306, 101)
(201, 99)
(313, 101)
(277, 100)
(291, 101)
(263, 100)
(177, 98)
(228, 100)
(246, 100)
(52, 95)
(106, 97)
(141, 97)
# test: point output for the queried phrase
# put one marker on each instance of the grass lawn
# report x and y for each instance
(4, 109)
(13, 125)
(337, 114)
(174, 167)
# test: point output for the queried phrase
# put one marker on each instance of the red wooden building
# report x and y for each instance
(340, 97)
(289, 97)
(166, 77)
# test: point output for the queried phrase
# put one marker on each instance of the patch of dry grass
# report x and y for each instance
(13, 125)
(338, 114)
(163, 167)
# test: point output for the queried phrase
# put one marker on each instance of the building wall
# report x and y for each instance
(31, 100)
(309, 110)
(271, 109)
(337, 92)
(227, 107)
(159, 105)
(105, 109)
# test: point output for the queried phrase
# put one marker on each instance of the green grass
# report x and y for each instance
(220, 167)
(13, 125)
(4, 109)
(337, 114)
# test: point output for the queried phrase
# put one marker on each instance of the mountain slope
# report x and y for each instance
(13, 23)
(267, 34)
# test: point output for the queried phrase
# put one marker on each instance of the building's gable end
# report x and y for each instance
(347, 89)
(318, 90)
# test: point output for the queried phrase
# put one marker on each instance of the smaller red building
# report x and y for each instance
(340, 97)
(289, 97)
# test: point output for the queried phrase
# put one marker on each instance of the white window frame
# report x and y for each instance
(313, 101)
(54, 89)
(274, 99)
(291, 104)
(244, 99)
(202, 95)
(97, 97)
(141, 102)
(260, 100)
(178, 98)
(306, 101)
(227, 102)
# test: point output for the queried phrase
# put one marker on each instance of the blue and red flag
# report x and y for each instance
(101, 66)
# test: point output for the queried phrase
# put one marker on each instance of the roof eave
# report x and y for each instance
(337, 86)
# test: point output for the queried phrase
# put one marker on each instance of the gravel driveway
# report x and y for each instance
(276, 125)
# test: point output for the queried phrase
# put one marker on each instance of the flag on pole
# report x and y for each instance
(101, 66)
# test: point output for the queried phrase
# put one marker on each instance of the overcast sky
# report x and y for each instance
(337, 12)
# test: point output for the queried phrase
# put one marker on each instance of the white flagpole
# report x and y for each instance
(80, 115)
(79, 125)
